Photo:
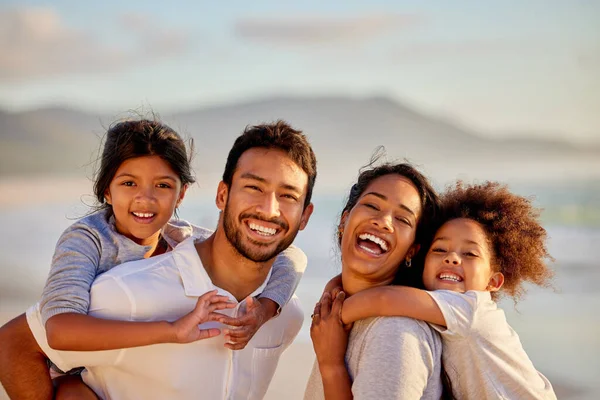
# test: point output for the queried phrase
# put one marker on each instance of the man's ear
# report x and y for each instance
(107, 197)
(306, 215)
(222, 194)
(182, 192)
(496, 282)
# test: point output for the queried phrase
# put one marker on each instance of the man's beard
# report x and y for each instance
(252, 250)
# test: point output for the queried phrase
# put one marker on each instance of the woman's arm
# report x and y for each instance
(401, 301)
(330, 340)
(79, 332)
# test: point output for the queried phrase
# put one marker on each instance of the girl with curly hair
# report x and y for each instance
(489, 242)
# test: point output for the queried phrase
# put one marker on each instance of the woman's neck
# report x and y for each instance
(354, 283)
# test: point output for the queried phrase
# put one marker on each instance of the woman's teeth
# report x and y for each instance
(263, 230)
(382, 243)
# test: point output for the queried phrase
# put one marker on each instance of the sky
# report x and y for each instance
(499, 67)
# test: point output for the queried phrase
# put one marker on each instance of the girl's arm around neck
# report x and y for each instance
(80, 332)
(399, 301)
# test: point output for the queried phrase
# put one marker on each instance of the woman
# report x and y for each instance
(383, 225)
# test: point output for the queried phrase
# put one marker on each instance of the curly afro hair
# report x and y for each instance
(516, 238)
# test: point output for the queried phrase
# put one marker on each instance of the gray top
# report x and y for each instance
(92, 246)
(389, 358)
(483, 355)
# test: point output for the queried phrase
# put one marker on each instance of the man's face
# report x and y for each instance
(263, 210)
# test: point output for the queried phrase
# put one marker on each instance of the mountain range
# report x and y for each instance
(344, 132)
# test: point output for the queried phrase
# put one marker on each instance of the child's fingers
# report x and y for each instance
(220, 306)
(336, 308)
(208, 333)
(325, 305)
(237, 334)
(220, 298)
(226, 320)
(236, 346)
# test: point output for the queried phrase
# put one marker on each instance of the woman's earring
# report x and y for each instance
(408, 263)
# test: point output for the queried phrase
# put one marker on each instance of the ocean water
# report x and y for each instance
(559, 327)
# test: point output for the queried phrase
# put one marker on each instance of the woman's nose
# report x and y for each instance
(384, 221)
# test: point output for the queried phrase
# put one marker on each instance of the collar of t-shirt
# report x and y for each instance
(195, 279)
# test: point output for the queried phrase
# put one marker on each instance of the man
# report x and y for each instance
(264, 200)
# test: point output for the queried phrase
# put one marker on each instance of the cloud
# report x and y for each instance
(306, 30)
(471, 48)
(36, 43)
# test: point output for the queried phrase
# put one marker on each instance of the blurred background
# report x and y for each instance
(499, 90)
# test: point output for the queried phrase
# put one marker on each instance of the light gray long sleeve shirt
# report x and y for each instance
(389, 358)
(92, 246)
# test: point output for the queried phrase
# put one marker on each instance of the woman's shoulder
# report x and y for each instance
(392, 328)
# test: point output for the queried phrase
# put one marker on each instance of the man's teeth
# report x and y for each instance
(367, 236)
(143, 215)
(263, 230)
(450, 277)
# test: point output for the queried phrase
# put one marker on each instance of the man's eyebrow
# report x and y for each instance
(402, 206)
(249, 175)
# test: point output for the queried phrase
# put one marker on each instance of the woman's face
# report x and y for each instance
(379, 232)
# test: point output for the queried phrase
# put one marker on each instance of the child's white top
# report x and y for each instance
(482, 354)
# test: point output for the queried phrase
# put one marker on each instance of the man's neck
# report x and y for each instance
(228, 269)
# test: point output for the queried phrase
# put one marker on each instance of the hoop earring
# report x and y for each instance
(408, 263)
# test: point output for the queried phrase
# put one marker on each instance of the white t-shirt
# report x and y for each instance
(482, 354)
(166, 287)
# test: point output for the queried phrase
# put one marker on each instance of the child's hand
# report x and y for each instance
(328, 334)
(245, 325)
(186, 328)
(334, 286)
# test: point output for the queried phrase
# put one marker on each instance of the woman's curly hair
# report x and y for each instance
(516, 238)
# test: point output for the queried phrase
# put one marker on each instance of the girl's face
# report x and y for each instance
(379, 232)
(144, 194)
(460, 259)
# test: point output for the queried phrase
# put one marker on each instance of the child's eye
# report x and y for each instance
(438, 250)
(128, 183)
(471, 254)
(164, 186)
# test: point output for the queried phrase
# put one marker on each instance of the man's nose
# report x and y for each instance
(452, 258)
(269, 206)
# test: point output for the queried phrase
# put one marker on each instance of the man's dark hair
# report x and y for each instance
(278, 135)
